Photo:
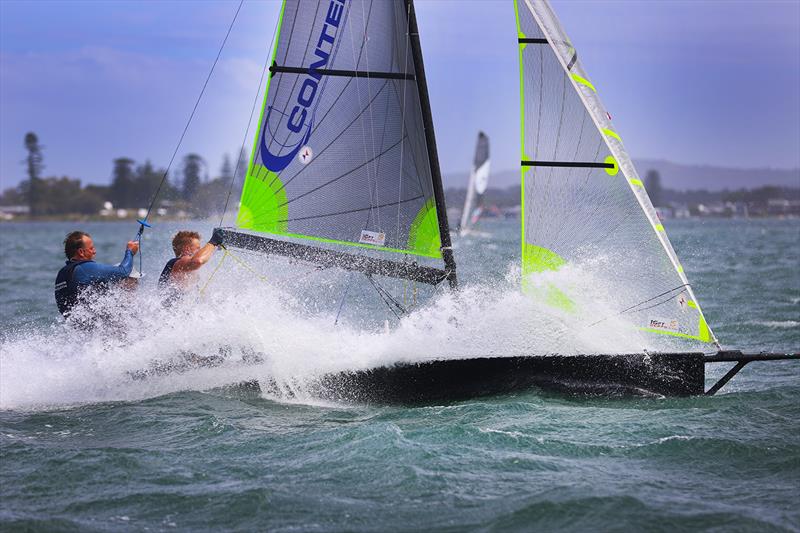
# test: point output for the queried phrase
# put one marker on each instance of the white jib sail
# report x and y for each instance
(583, 201)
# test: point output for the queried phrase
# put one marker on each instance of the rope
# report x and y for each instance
(246, 266)
(143, 222)
(249, 121)
(631, 308)
(203, 288)
(387, 298)
(191, 116)
(344, 297)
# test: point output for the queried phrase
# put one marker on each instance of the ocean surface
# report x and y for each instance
(93, 437)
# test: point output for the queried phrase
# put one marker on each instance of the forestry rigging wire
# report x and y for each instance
(250, 120)
(143, 222)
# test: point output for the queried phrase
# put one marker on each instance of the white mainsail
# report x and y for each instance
(345, 152)
(583, 202)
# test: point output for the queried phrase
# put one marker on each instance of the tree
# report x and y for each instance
(652, 182)
(241, 169)
(123, 186)
(33, 190)
(226, 171)
(192, 165)
(147, 182)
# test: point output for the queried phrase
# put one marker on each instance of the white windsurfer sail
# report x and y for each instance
(345, 152)
(478, 182)
(582, 201)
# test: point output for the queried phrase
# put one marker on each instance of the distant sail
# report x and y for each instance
(341, 154)
(582, 201)
(478, 182)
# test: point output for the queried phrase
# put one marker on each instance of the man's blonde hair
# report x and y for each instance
(182, 239)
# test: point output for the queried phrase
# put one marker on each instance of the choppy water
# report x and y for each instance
(84, 447)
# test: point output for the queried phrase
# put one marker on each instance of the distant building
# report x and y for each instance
(8, 212)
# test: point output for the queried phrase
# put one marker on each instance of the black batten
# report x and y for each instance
(275, 68)
(430, 139)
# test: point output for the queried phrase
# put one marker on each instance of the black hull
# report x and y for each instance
(460, 379)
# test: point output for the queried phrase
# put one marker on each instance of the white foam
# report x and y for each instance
(296, 336)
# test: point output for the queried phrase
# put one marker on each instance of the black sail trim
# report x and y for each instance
(572, 61)
(333, 258)
(430, 140)
(568, 164)
(531, 40)
(275, 69)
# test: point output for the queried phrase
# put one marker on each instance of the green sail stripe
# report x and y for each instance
(522, 131)
(252, 175)
(703, 331)
(584, 81)
(421, 253)
(263, 204)
(702, 337)
(537, 259)
(423, 235)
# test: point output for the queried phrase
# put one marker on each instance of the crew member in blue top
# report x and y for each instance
(81, 272)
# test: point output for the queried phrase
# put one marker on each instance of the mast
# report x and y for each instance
(430, 139)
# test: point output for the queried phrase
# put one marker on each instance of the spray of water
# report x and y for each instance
(240, 330)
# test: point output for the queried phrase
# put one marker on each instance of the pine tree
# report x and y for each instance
(226, 171)
(652, 182)
(241, 169)
(192, 165)
(123, 186)
(35, 165)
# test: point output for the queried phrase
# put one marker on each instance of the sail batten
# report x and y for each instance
(344, 153)
(583, 201)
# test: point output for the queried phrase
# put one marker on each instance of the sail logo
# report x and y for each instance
(671, 325)
(296, 125)
(305, 155)
(372, 237)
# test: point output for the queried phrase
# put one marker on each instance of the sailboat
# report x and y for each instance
(478, 182)
(344, 173)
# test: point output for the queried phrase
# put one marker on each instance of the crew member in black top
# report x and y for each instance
(180, 272)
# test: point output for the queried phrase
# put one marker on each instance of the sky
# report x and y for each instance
(710, 83)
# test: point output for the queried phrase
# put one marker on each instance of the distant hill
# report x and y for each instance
(673, 176)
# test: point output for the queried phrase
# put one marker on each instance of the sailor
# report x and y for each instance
(81, 273)
(179, 272)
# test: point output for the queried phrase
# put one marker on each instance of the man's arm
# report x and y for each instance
(200, 258)
(92, 272)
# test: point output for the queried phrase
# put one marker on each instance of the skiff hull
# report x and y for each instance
(460, 379)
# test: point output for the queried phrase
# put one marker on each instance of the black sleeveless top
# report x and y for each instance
(164, 280)
(167, 286)
(66, 290)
